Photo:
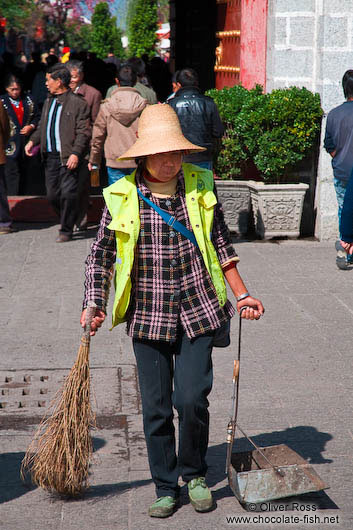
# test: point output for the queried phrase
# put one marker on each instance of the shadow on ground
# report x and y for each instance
(11, 484)
(307, 441)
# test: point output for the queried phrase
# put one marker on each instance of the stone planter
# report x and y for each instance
(235, 198)
(277, 208)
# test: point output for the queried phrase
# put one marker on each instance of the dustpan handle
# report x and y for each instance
(235, 398)
(235, 401)
(236, 371)
(90, 314)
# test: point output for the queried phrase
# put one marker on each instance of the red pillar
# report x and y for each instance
(253, 43)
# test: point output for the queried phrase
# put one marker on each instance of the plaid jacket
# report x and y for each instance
(170, 283)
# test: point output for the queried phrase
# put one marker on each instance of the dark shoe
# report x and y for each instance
(199, 495)
(63, 238)
(162, 507)
(343, 260)
(7, 230)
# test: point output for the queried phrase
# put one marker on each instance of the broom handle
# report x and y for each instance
(90, 314)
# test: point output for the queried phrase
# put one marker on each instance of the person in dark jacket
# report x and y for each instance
(199, 118)
(63, 133)
(338, 143)
(24, 117)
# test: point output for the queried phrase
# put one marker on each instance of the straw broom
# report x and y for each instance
(59, 454)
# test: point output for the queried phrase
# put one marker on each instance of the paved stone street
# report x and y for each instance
(295, 388)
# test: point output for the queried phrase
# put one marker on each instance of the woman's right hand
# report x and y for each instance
(97, 320)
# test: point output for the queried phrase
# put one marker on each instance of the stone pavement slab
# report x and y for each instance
(295, 387)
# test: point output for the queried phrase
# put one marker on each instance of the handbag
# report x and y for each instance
(35, 150)
(221, 337)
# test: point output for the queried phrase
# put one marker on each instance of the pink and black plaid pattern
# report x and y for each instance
(171, 285)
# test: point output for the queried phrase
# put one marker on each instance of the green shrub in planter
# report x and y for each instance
(272, 131)
(234, 158)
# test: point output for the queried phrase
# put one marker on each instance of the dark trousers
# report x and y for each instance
(62, 186)
(15, 174)
(84, 186)
(188, 365)
(5, 218)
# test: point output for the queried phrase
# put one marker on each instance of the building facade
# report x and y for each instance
(276, 43)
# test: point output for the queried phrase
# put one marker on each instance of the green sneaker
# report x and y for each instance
(199, 495)
(162, 507)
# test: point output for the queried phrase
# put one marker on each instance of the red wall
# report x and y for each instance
(253, 43)
(229, 19)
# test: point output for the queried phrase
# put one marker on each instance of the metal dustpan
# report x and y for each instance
(265, 473)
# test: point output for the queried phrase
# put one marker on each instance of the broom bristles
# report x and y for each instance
(59, 454)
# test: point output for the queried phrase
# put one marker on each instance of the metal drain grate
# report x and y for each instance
(20, 391)
(30, 392)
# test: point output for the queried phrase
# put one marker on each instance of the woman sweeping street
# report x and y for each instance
(164, 230)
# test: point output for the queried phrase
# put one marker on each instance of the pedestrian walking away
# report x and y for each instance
(141, 82)
(64, 134)
(116, 126)
(338, 143)
(164, 230)
(199, 117)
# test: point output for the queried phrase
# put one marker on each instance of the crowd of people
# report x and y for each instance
(73, 114)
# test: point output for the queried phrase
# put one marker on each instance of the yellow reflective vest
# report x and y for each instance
(122, 202)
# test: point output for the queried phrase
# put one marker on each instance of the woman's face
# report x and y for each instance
(164, 166)
(14, 90)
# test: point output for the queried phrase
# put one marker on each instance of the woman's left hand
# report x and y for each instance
(254, 308)
(26, 130)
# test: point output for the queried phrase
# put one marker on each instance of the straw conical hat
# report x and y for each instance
(159, 131)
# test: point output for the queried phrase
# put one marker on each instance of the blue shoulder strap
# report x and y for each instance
(170, 220)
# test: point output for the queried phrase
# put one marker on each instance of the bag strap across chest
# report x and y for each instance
(170, 220)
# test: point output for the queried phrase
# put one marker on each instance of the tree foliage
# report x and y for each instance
(77, 34)
(142, 24)
(49, 21)
(105, 36)
(17, 13)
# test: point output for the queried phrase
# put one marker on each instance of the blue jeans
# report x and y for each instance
(340, 188)
(115, 173)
